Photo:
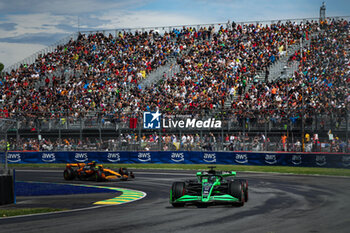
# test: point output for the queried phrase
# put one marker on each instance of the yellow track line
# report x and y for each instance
(128, 195)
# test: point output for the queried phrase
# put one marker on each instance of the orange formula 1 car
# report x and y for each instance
(92, 171)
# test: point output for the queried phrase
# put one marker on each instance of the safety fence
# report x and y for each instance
(231, 119)
(3, 142)
(239, 131)
(3, 163)
(333, 160)
(5, 125)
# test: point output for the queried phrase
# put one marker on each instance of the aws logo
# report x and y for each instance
(81, 157)
(177, 157)
(14, 157)
(48, 157)
(113, 157)
(144, 157)
(321, 160)
(296, 159)
(209, 157)
(270, 159)
(346, 161)
(241, 158)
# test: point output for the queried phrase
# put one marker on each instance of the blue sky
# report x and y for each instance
(27, 26)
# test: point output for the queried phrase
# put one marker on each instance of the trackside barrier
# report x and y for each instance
(330, 160)
(6, 189)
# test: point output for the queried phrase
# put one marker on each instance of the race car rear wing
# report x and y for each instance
(217, 173)
(75, 164)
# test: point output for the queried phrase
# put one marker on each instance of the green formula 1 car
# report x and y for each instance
(210, 188)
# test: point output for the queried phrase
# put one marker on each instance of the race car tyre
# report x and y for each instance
(235, 189)
(68, 174)
(123, 171)
(100, 176)
(245, 188)
(178, 190)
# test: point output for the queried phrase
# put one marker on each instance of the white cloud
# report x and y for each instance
(36, 23)
(11, 53)
(138, 19)
(66, 7)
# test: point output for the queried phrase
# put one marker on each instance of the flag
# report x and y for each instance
(133, 123)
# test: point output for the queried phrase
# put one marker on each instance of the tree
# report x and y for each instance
(1, 66)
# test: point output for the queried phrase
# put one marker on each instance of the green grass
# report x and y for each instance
(25, 211)
(274, 169)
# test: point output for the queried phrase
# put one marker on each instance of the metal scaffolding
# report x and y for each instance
(323, 12)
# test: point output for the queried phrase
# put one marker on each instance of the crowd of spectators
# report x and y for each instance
(104, 68)
(239, 141)
(211, 70)
(320, 86)
(101, 74)
(107, 70)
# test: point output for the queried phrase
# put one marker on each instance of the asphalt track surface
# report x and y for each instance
(277, 203)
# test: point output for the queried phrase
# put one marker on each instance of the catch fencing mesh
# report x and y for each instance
(5, 125)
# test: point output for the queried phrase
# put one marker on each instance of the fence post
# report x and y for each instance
(100, 134)
(14, 185)
(17, 134)
(6, 151)
(347, 130)
(201, 140)
(140, 126)
(38, 126)
(265, 134)
(180, 138)
(59, 136)
(222, 138)
(81, 129)
(160, 139)
(120, 138)
(244, 122)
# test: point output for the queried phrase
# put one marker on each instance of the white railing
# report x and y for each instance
(31, 59)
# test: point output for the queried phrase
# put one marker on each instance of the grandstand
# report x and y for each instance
(277, 85)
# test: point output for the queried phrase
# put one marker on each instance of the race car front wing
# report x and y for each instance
(196, 199)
